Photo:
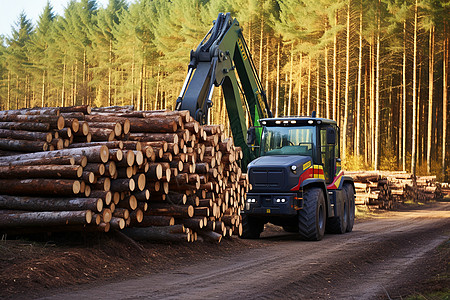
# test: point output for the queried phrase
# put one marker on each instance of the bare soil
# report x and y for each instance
(388, 256)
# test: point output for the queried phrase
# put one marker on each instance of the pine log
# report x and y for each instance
(60, 187)
(50, 204)
(46, 218)
(85, 109)
(61, 160)
(117, 223)
(102, 134)
(106, 196)
(93, 154)
(55, 122)
(154, 221)
(158, 233)
(123, 185)
(160, 125)
(211, 236)
(23, 145)
(193, 223)
(26, 135)
(28, 126)
(41, 171)
(54, 111)
(154, 137)
(143, 195)
(162, 209)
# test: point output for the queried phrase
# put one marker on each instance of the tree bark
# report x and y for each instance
(430, 98)
(50, 204)
(46, 218)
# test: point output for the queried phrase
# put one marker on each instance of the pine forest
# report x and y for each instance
(378, 67)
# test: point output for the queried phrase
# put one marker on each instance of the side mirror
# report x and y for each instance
(251, 136)
(331, 136)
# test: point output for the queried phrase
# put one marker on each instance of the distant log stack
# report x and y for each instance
(387, 189)
(123, 168)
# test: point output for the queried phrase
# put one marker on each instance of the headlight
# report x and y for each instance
(293, 167)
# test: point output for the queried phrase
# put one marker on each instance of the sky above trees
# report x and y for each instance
(10, 11)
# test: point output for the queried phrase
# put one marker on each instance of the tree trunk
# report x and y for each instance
(377, 91)
(335, 66)
(277, 96)
(404, 99)
(347, 78)
(290, 79)
(308, 104)
(414, 85)
(318, 87)
(444, 100)
(430, 98)
(358, 97)
(299, 104)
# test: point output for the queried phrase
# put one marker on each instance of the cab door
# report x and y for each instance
(328, 151)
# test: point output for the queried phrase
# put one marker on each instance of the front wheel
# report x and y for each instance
(251, 227)
(311, 218)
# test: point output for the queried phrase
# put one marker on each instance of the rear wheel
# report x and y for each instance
(338, 224)
(351, 206)
(311, 219)
(251, 227)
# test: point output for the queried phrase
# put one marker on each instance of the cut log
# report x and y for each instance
(47, 218)
(155, 221)
(26, 135)
(60, 187)
(211, 236)
(161, 209)
(166, 233)
(42, 171)
(23, 145)
(93, 154)
(50, 204)
(29, 126)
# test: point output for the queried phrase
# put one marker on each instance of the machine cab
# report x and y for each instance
(303, 136)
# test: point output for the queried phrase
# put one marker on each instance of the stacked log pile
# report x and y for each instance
(145, 170)
(387, 189)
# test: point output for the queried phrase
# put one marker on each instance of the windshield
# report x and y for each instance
(288, 140)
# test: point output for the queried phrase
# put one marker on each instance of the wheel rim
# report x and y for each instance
(321, 218)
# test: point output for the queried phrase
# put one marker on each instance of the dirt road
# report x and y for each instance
(381, 258)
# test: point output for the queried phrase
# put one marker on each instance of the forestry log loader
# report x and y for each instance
(293, 163)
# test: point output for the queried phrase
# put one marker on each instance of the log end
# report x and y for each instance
(76, 187)
(133, 202)
(99, 204)
(104, 153)
(88, 217)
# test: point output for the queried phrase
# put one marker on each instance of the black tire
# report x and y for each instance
(290, 228)
(251, 227)
(312, 218)
(351, 206)
(338, 224)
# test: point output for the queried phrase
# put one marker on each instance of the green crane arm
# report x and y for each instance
(223, 59)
